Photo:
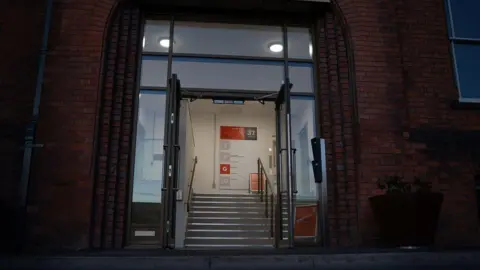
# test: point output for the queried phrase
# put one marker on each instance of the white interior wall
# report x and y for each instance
(206, 121)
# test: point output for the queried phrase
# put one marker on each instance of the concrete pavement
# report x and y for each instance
(394, 260)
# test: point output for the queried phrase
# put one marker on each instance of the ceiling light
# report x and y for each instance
(276, 48)
(310, 49)
(164, 42)
(143, 42)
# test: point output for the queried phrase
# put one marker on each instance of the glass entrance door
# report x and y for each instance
(170, 170)
(285, 180)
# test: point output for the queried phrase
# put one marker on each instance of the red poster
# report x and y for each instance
(305, 220)
(232, 133)
(224, 168)
(238, 133)
(254, 182)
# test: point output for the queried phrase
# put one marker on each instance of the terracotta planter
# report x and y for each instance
(407, 219)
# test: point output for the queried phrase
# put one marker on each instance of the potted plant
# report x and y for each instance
(406, 213)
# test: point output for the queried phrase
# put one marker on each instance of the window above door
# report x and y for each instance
(227, 40)
(227, 56)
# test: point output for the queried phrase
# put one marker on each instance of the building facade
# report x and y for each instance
(393, 85)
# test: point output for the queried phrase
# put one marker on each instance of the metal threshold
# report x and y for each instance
(203, 230)
(226, 238)
(228, 224)
(226, 212)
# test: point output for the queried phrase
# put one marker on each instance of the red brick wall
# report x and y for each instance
(19, 53)
(404, 81)
(63, 171)
(337, 127)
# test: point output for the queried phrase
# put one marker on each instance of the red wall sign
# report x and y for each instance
(238, 133)
(224, 168)
(254, 184)
(305, 220)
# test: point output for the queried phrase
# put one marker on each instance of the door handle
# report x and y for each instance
(294, 171)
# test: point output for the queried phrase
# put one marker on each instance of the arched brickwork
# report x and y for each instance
(115, 134)
(338, 127)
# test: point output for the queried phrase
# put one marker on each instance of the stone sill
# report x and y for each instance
(465, 106)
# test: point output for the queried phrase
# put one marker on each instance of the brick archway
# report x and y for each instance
(114, 139)
(338, 120)
(385, 84)
(89, 84)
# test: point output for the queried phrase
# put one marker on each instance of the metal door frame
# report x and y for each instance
(238, 94)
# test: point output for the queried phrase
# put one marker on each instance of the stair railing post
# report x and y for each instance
(259, 172)
(266, 199)
(271, 215)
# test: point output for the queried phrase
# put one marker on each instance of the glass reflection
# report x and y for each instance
(154, 71)
(148, 170)
(299, 43)
(226, 39)
(468, 69)
(303, 129)
(154, 33)
(228, 74)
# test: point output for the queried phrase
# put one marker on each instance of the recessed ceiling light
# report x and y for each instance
(164, 42)
(276, 48)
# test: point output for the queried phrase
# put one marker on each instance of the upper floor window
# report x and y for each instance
(464, 33)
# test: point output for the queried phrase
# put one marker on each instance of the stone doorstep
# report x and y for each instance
(246, 262)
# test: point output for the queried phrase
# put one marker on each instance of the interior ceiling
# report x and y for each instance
(252, 108)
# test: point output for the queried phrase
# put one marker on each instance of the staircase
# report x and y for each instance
(227, 221)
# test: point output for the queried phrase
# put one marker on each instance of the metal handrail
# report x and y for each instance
(269, 197)
(190, 183)
(267, 180)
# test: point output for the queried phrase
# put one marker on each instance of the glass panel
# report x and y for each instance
(148, 170)
(154, 71)
(299, 43)
(283, 128)
(283, 151)
(282, 168)
(301, 76)
(226, 39)
(468, 69)
(155, 31)
(465, 18)
(303, 129)
(228, 74)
